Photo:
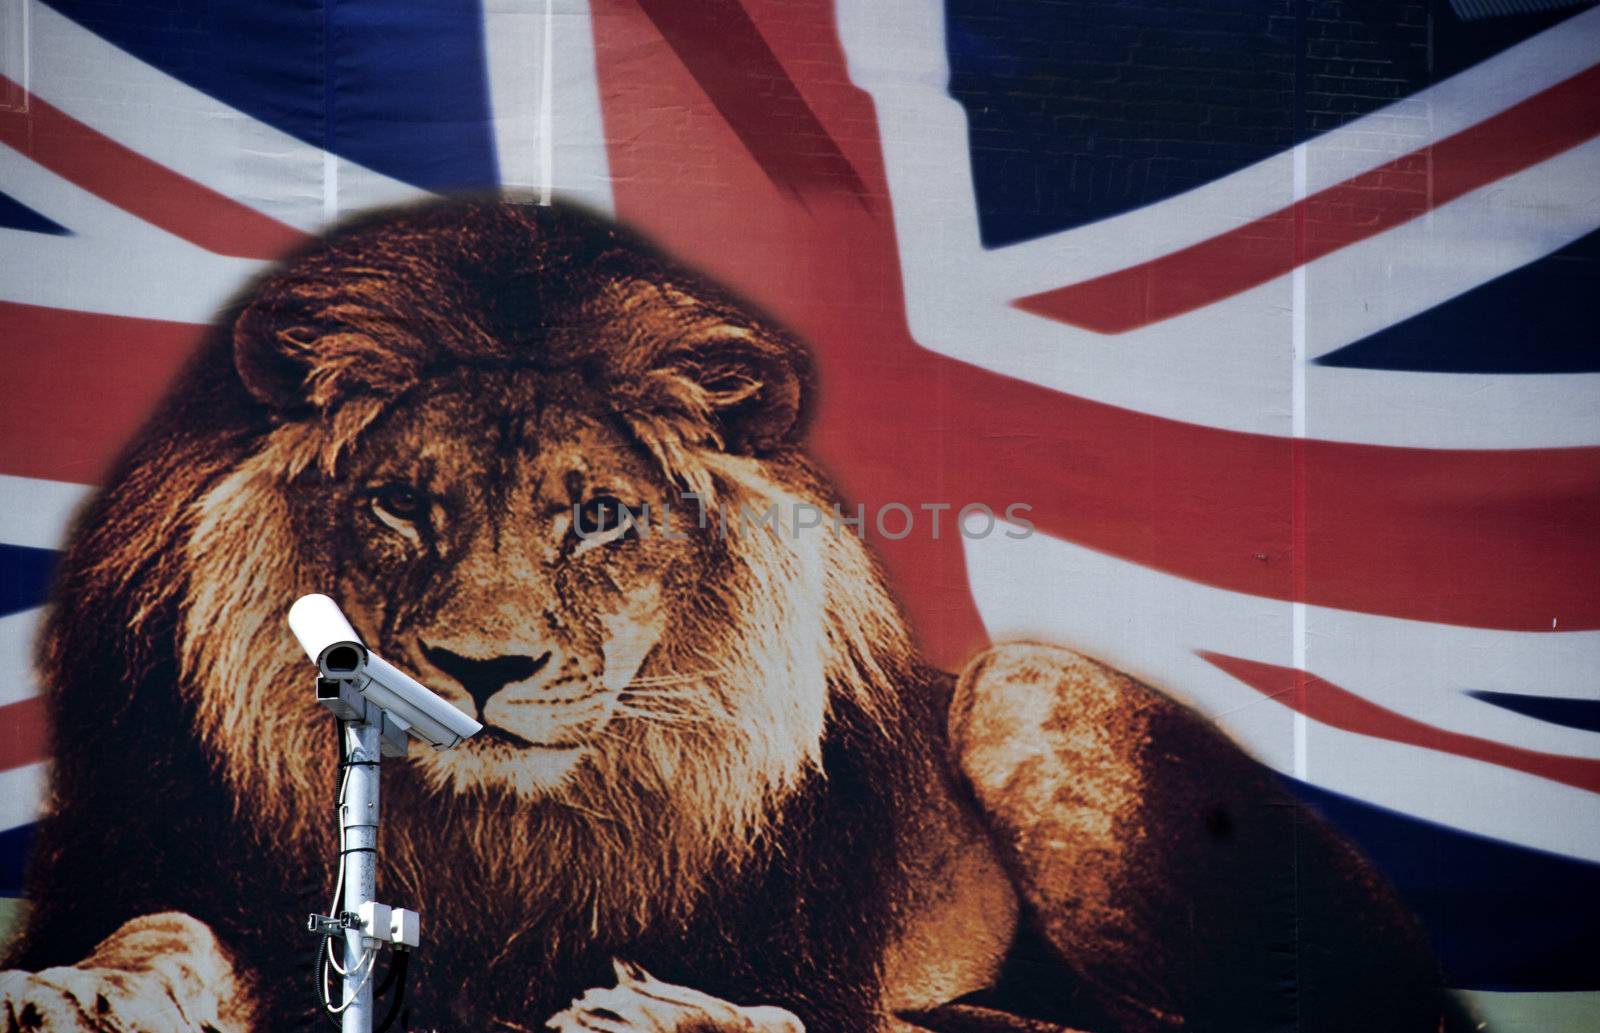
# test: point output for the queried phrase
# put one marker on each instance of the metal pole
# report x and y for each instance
(359, 818)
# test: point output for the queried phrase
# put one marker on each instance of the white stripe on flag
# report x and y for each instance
(22, 795)
(18, 632)
(35, 512)
(1151, 625)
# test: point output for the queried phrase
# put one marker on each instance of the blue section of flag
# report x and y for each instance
(396, 86)
(1082, 109)
(25, 575)
(1531, 320)
(1569, 713)
(14, 846)
(1499, 916)
(17, 216)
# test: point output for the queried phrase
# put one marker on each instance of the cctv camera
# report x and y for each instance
(336, 649)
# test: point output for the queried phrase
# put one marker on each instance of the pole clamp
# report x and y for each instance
(324, 925)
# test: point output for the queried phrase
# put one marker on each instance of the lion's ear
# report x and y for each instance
(288, 364)
(754, 387)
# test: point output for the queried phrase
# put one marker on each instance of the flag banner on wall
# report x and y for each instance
(1270, 313)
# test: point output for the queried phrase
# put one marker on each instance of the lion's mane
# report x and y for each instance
(183, 568)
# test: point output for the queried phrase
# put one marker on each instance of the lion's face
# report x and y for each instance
(502, 538)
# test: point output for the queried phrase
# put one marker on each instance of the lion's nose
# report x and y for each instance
(484, 678)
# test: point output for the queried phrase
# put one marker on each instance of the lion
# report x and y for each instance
(717, 787)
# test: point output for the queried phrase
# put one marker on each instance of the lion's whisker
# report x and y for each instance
(673, 679)
(665, 703)
(668, 703)
(667, 692)
(665, 717)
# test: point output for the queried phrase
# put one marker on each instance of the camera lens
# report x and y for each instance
(342, 658)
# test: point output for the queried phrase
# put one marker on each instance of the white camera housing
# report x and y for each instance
(336, 649)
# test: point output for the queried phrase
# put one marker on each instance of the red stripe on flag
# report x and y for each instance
(725, 52)
(1498, 539)
(26, 733)
(1489, 538)
(1327, 703)
(1538, 128)
(142, 187)
(77, 384)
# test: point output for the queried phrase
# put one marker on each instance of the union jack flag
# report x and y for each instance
(1275, 316)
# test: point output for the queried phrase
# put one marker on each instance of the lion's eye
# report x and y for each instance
(603, 516)
(400, 501)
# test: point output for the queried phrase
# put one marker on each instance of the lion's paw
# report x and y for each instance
(58, 1000)
(641, 1003)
